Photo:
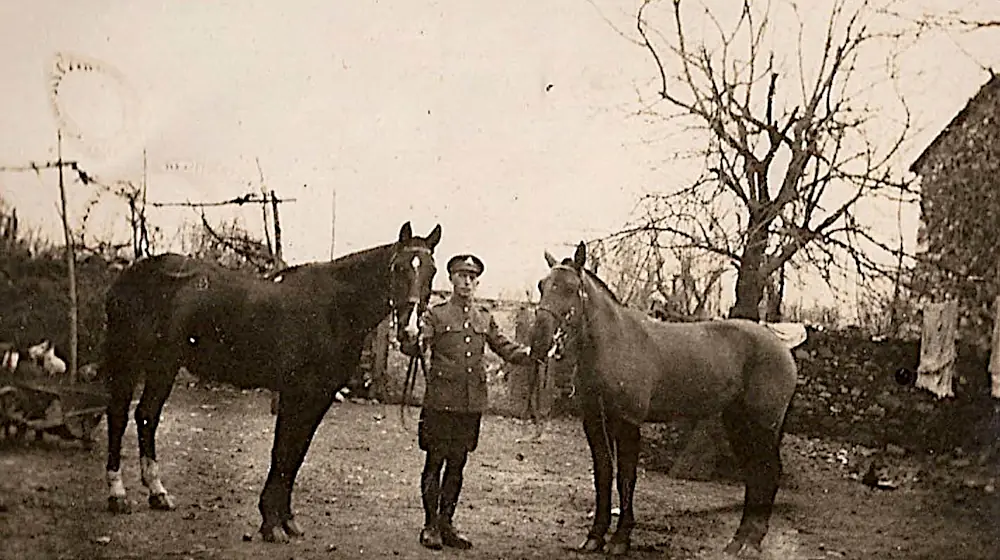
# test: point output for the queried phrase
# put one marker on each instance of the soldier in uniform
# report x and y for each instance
(455, 333)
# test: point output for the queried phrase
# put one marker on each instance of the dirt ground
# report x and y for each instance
(357, 496)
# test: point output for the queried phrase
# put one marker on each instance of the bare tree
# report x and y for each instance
(229, 244)
(791, 139)
(640, 272)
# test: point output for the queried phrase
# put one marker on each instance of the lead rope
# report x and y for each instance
(410, 382)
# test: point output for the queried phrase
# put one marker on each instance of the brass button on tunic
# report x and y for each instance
(458, 335)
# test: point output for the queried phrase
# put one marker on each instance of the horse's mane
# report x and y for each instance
(347, 261)
(604, 287)
(600, 283)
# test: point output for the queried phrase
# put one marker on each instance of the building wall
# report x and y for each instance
(960, 211)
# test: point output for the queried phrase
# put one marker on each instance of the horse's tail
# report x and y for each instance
(771, 379)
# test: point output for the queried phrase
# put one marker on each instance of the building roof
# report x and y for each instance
(989, 88)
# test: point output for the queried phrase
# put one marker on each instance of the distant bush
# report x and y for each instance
(34, 281)
(34, 295)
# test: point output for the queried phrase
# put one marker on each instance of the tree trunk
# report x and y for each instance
(749, 284)
(775, 296)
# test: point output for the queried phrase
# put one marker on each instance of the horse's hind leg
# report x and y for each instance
(627, 438)
(299, 414)
(159, 384)
(121, 382)
(757, 447)
(601, 446)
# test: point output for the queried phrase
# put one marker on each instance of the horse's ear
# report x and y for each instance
(405, 232)
(435, 237)
(550, 259)
(580, 256)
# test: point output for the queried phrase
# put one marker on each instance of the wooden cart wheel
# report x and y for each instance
(84, 426)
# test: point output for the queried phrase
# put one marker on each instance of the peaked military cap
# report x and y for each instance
(467, 262)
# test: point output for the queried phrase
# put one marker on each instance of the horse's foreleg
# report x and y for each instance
(159, 383)
(298, 417)
(601, 450)
(628, 438)
(757, 447)
(121, 398)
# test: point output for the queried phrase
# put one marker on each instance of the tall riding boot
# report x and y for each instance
(451, 487)
(430, 492)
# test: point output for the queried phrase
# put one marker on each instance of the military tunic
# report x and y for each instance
(457, 334)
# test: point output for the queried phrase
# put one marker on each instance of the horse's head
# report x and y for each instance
(561, 307)
(411, 272)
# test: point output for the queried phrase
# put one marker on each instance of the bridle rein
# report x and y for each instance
(418, 361)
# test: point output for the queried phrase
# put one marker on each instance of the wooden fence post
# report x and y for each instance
(71, 266)
(277, 229)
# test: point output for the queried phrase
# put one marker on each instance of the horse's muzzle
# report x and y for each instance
(542, 337)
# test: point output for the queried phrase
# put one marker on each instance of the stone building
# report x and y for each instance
(960, 212)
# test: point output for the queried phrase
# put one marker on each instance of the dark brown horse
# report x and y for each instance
(632, 369)
(299, 334)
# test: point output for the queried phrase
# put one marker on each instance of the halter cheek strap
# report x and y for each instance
(395, 256)
(394, 313)
(560, 334)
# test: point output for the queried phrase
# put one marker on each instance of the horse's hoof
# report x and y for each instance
(161, 502)
(119, 505)
(616, 548)
(592, 544)
(742, 549)
(292, 528)
(273, 535)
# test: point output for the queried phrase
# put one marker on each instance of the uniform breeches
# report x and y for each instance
(447, 437)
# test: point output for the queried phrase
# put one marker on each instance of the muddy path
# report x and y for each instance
(357, 496)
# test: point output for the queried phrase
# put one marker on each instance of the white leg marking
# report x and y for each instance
(116, 488)
(151, 476)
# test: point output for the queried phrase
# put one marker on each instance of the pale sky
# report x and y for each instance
(428, 111)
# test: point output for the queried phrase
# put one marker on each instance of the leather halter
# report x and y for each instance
(392, 263)
(561, 322)
(580, 293)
